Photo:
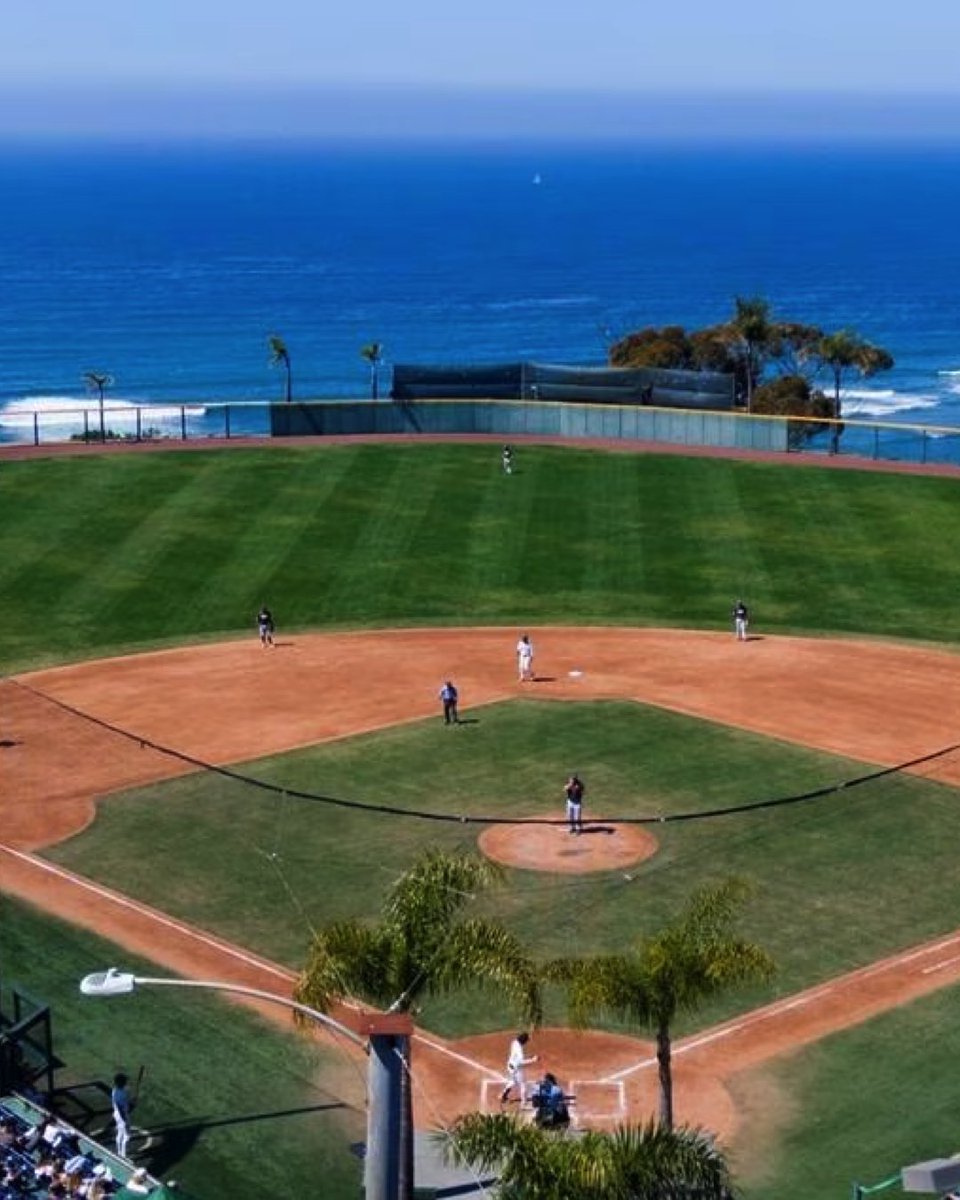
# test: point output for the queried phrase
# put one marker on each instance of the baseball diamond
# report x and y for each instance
(782, 690)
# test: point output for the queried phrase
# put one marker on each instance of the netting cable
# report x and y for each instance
(421, 814)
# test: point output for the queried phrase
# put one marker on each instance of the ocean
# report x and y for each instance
(169, 266)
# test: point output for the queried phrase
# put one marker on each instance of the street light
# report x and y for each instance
(386, 1035)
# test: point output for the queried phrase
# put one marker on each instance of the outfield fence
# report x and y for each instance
(211, 421)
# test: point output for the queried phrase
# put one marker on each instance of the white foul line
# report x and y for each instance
(152, 914)
(467, 1062)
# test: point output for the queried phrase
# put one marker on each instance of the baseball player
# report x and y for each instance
(574, 796)
(516, 1061)
(741, 619)
(265, 626)
(121, 1105)
(506, 458)
(449, 698)
(525, 659)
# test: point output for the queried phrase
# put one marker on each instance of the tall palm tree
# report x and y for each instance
(754, 332)
(98, 382)
(692, 959)
(421, 946)
(373, 353)
(635, 1162)
(846, 351)
(280, 357)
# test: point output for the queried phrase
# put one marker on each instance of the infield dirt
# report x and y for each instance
(873, 701)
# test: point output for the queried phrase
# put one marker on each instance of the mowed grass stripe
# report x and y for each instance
(418, 534)
(276, 527)
(147, 576)
(373, 574)
(31, 542)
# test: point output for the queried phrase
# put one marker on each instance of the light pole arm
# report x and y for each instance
(114, 983)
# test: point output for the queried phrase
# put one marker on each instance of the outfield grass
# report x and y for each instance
(840, 882)
(855, 1107)
(237, 1107)
(108, 553)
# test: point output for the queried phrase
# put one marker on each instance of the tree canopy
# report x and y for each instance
(751, 345)
(695, 957)
(422, 945)
(634, 1162)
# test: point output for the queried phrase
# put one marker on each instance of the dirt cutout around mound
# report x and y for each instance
(601, 846)
(235, 701)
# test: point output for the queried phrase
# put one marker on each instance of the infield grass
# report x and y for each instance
(840, 881)
(110, 553)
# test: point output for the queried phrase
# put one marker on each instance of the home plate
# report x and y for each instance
(575, 674)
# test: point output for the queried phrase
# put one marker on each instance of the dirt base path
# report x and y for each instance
(873, 701)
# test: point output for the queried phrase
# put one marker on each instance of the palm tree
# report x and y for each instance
(98, 382)
(676, 970)
(754, 333)
(373, 353)
(845, 351)
(421, 946)
(635, 1162)
(280, 357)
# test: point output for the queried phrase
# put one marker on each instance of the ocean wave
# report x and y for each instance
(65, 414)
(883, 402)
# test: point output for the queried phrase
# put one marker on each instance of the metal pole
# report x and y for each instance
(388, 1052)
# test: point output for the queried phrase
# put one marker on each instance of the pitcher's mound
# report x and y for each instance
(602, 846)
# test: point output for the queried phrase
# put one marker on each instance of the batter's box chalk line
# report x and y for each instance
(597, 1100)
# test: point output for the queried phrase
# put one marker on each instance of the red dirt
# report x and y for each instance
(235, 701)
(603, 846)
(615, 445)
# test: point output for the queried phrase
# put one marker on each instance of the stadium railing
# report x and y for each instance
(205, 420)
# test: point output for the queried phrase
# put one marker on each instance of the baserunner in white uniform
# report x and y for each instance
(516, 1061)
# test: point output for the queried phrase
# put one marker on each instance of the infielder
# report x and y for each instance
(525, 659)
(449, 698)
(265, 626)
(741, 619)
(516, 1061)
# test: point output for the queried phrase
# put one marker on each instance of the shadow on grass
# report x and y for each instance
(171, 1143)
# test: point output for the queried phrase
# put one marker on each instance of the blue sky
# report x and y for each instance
(70, 61)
